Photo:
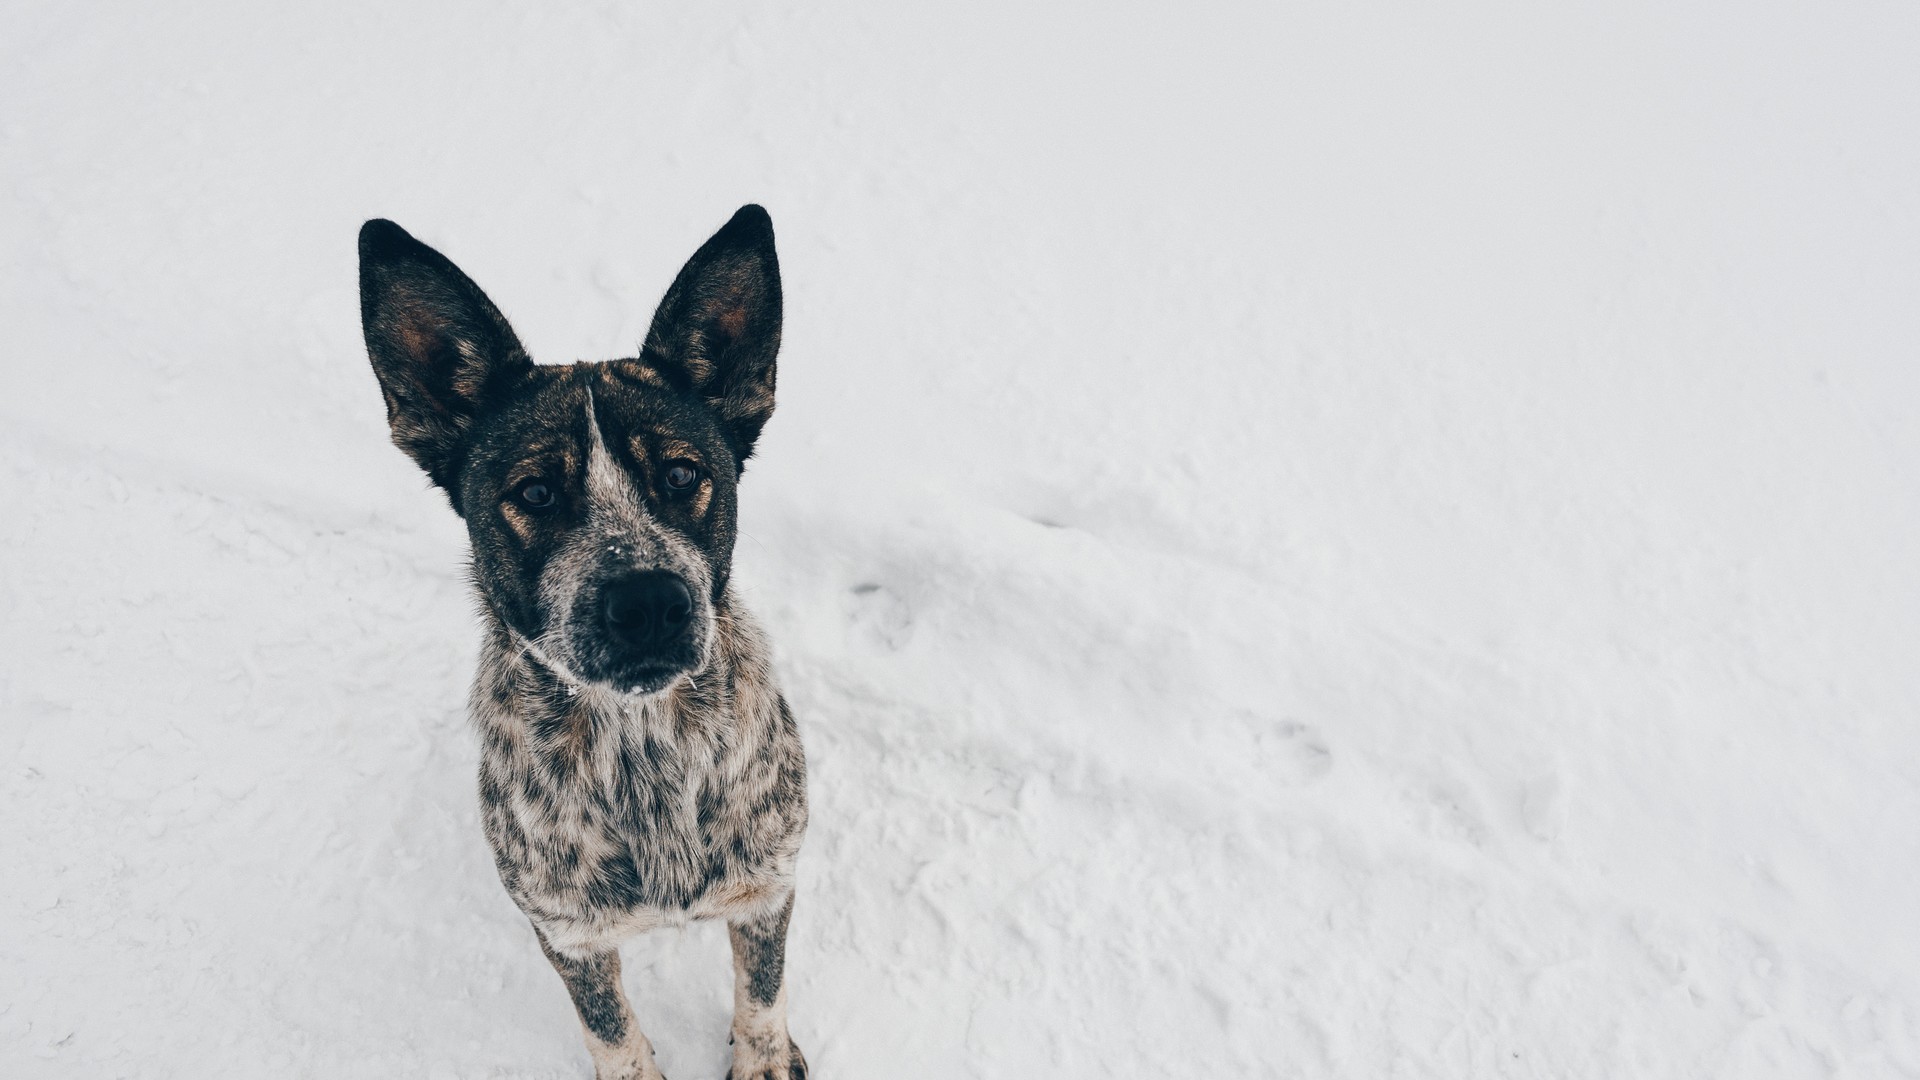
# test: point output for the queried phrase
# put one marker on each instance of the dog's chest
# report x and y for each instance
(599, 818)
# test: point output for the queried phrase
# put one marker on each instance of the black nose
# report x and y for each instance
(649, 609)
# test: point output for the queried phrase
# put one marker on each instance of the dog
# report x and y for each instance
(639, 767)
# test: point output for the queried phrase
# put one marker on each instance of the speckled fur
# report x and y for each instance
(610, 814)
(621, 790)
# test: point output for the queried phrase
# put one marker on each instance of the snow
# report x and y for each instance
(1348, 542)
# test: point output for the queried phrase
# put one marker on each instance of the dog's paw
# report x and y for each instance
(646, 1073)
(625, 1063)
(794, 1068)
(631, 1071)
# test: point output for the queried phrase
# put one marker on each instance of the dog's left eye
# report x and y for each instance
(535, 495)
(680, 477)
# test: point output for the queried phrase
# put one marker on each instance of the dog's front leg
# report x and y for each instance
(761, 1048)
(620, 1051)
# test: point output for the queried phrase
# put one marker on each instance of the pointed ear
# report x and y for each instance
(718, 329)
(442, 351)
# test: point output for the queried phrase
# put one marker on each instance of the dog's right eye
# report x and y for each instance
(535, 495)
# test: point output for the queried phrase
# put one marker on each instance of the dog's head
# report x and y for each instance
(599, 497)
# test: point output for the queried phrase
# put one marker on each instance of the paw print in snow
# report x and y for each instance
(1294, 753)
(880, 617)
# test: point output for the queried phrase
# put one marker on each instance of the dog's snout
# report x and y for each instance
(637, 630)
(648, 609)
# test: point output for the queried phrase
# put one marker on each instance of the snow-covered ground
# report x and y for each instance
(1341, 541)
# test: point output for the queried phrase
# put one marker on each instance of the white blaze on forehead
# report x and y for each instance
(620, 516)
(609, 489)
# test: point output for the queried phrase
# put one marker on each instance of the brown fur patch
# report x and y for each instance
(417, 341)
(519, 522)
(672, 448)
(644, 374)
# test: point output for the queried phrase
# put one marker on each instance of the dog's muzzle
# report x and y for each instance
(647, 623)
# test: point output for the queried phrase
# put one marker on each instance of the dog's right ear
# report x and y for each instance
(441, 349)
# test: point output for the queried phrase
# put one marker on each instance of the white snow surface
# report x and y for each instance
(1316, 541)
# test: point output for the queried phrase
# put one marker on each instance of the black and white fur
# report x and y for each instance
(639, 767)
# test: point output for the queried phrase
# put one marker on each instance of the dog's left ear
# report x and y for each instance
(718, 329)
